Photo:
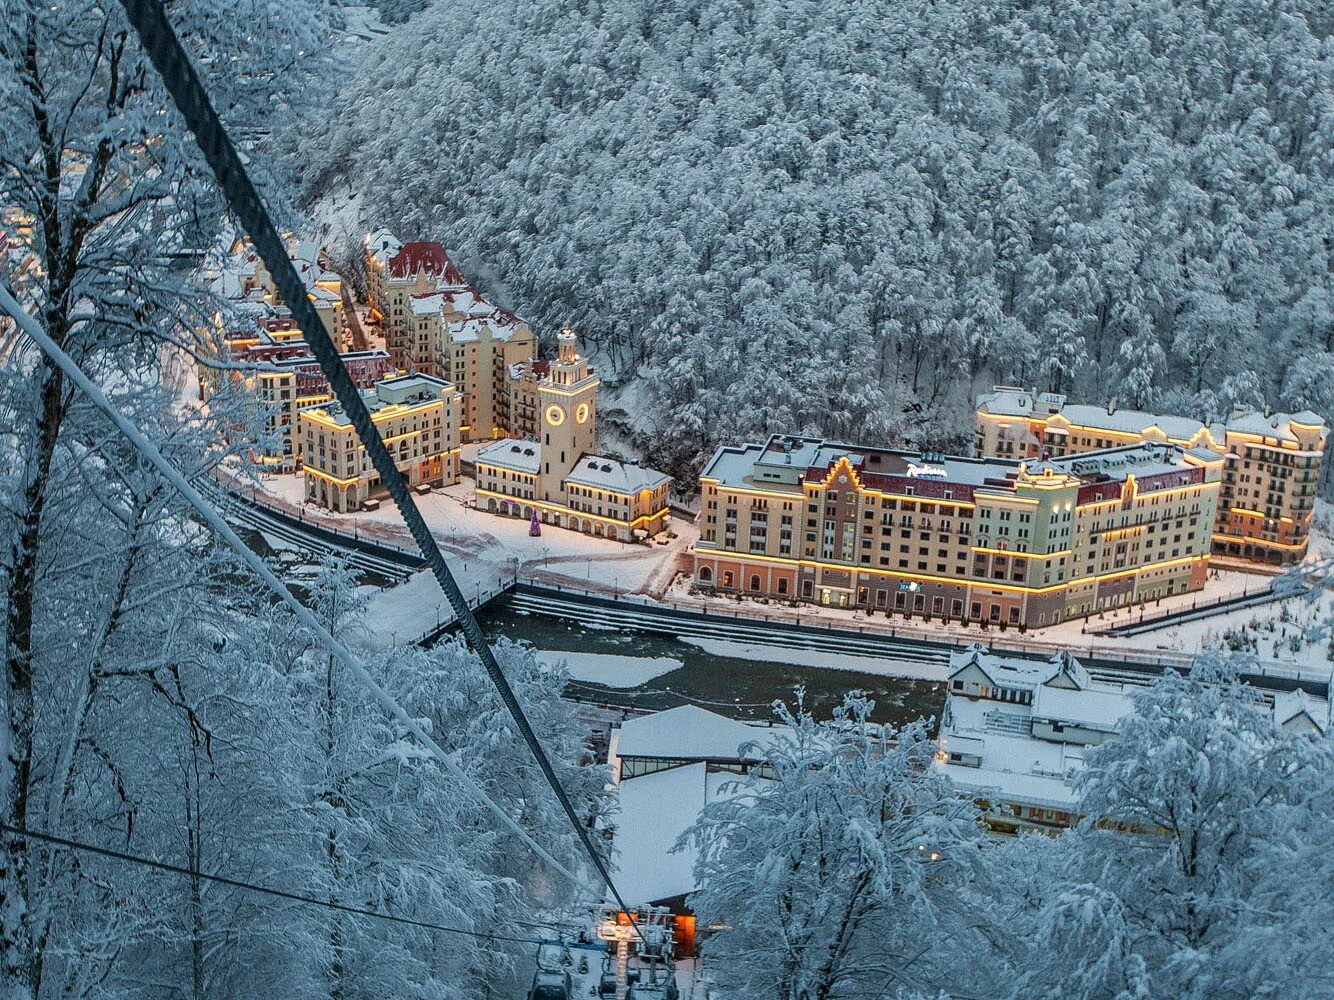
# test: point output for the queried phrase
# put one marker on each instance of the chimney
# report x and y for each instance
(1111, 406)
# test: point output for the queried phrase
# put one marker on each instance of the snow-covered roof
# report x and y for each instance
(321, 295)
(1024, 787)
(1093, 708)
(1025, 403)
(468, 302)
(538, 369)
(655, 810)
(1131, 421)
(1013, 401)
(1276, 425)
(1116, 464)
(383, 246)
(513, 455)
(1012, 672)
(415, 388)
(427, 258)
(688, 732)
(1021, 766)
(601, 473)
(426, 304)
(1291, 705)
(1018, 672)
(500, 325)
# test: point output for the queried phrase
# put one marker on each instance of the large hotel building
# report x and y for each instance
(418, 420)
(1270, 474)
(1007, 541)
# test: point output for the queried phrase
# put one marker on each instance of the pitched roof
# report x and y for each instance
(1290, 704)
(609, 474)
(426, 258)
(511, 454)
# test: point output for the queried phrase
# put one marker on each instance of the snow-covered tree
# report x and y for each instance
(1196, 872)
(835, 865)
(99, 591)
(841, 218)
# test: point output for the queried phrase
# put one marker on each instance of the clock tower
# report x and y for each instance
(567, 398)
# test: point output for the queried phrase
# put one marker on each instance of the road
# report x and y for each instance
(361, 554)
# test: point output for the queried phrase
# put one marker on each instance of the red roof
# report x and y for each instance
(428, 258)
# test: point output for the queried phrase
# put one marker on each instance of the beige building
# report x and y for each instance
(381, 248)
(1007, 542)
(519, 408)
(418, 420)
(560, 476)
(435, 324)
(421, 268)
(459, 336)
(1270, 478)
(291, 382)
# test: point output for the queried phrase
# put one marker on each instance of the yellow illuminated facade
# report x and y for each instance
(557, 474)
(1270, 476)
(1011, 543)
(417, 417)
(298, 382)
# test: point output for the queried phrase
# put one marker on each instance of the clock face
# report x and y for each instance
(555, 416)
(581, 414)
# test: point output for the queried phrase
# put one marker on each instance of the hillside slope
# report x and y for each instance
(846, 216)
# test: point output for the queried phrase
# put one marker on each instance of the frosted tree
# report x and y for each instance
(832, 866)
(110, 188)
(1201, 881)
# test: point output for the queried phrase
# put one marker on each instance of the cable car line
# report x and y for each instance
(163, 47)
(123, 856)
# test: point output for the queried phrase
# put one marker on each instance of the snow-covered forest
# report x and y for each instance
(846, 216)
(855, 872)
(810, 216)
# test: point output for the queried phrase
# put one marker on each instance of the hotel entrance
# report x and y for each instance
(833, 598)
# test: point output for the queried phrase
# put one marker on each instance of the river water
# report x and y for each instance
(731, 685)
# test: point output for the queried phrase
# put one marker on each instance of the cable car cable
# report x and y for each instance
(163, 47)
(123, 856)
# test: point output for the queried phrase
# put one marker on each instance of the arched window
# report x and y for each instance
(705, 574)
(782, 585)
(755, 581)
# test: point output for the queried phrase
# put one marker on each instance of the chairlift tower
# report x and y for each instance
(647, 930)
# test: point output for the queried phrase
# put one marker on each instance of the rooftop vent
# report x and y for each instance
(593, 466)
(514, 448)
(606, 468)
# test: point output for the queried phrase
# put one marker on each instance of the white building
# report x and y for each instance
(1015, 732)
(666, 768)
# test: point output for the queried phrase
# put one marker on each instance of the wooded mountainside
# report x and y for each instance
(845, 217)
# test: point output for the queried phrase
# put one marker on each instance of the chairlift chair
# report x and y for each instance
(551, 984)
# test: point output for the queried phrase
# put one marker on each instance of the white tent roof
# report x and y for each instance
(688, 733)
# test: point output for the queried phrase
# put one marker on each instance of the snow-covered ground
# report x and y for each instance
(879, 666)
(486, 553)
(612, 670)
(1175, 644)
